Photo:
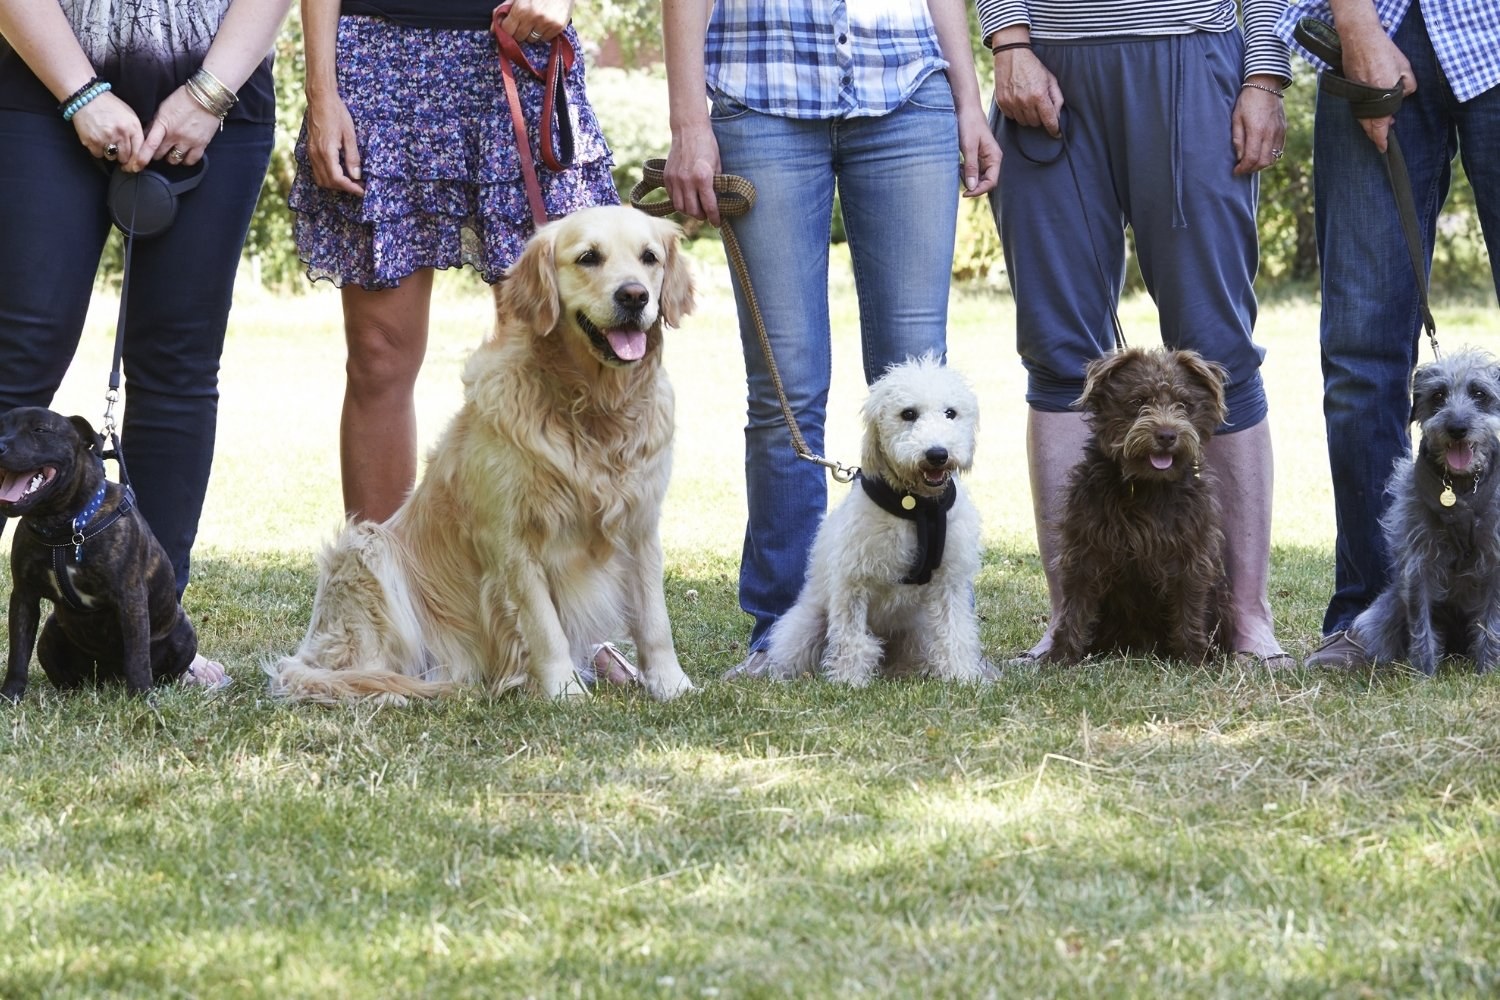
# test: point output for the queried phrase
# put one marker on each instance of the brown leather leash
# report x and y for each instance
(553, 73)
(736, 196)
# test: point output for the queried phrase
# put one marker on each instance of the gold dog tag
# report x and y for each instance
(909, 502)
(1446, 498)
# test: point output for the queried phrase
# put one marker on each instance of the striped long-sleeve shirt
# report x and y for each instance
(1060, 20)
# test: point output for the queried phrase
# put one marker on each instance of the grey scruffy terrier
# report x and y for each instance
(1443, 525)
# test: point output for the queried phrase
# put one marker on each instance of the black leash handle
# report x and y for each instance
(736, 197)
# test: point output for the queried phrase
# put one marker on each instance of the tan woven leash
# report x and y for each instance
(736, 197)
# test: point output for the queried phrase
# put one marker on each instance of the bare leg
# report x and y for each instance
(1054, 445)
(1243, 463)
(386, 330)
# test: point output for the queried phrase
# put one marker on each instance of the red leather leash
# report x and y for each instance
(553, 73)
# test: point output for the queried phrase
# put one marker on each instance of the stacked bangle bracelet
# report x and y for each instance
(211, 94)
(82, 96)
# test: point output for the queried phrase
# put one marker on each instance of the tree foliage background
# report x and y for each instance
(631, 101)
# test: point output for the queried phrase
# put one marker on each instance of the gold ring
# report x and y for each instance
(175, 154)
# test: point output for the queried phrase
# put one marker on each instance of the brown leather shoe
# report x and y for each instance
(1339, 651)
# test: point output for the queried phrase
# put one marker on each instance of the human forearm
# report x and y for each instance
(950, 18)
(684, 26)
(1008, 16)
(243, 39)
(40, 33)
(320, 25)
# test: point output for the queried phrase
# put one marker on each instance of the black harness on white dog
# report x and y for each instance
(930, 514)
(82, 531)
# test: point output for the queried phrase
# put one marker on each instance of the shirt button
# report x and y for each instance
(843, 39)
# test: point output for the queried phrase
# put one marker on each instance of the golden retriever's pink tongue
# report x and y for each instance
(628, 344)
(1460, 456)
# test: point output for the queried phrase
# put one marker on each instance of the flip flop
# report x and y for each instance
(611, 666)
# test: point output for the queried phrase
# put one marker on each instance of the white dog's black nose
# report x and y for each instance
(937, 456)
(632, 297)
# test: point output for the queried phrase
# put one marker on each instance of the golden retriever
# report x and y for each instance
(534, 530)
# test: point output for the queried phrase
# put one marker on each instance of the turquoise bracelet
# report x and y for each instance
(77, 103)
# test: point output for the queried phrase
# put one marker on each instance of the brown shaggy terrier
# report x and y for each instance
(1141, 559)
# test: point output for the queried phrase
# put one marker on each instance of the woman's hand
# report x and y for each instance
(108, 121)
(179, 134)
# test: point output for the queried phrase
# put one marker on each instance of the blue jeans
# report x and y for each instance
(1371, 329)
(897, 179)
(52, 197)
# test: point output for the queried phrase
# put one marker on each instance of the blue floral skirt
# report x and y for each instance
(438, 158)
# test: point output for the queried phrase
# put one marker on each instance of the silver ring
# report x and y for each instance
(111, 151)
(1276, 153)
(535, 36)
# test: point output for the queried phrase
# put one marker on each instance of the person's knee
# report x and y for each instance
(383, 357)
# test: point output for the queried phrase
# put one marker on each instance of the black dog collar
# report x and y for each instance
(930, 515)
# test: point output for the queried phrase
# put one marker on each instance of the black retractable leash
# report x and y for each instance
(1320, 39)
(142, 205)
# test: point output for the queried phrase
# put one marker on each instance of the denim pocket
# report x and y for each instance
(725, 109)
(933, 93)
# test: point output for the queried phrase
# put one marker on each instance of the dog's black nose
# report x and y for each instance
(1458, 431)
(937, 456)
(632, 297)
(1166, 437)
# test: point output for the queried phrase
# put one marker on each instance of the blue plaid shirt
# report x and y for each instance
(820, 58)
(1465, 35)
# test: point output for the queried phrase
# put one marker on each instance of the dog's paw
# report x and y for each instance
(666, 688)
(13, 693)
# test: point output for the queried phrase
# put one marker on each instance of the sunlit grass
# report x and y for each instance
(1131, 828)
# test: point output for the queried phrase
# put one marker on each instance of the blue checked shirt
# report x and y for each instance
(820, 58)
(1465, 35)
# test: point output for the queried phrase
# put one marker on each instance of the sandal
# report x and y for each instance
(611, 666)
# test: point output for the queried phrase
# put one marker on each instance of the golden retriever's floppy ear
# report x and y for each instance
(530, 293)
(677, 276)
(1211, 376)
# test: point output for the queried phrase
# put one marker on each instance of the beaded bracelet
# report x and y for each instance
(211, 94)
(75, 95)
(1275, 93)
(90, 92)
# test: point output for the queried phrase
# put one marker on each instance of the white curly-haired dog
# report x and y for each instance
(890, 578)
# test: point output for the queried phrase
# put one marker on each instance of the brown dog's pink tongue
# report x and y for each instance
(1460, 455)
(1161, 461)
(628, 344)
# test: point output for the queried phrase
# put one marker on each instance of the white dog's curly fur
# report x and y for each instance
(534, 531)
(855, 617)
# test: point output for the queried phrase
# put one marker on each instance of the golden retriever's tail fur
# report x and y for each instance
(365, 637)
(294, 680)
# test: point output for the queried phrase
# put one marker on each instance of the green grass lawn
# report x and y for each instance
(1129, 828)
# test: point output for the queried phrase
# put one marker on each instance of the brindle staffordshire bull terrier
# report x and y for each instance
(83, 546)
